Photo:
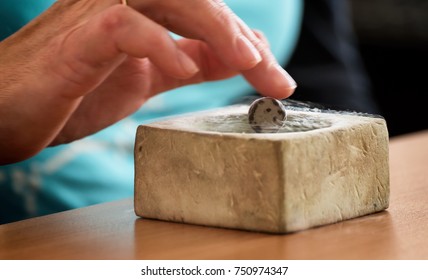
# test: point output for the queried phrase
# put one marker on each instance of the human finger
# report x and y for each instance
(268, 77)
(208, 20)
(97, 46)
(228, 36)
(211, 68)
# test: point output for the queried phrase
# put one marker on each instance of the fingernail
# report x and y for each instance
(247, 51)
(281, 77)
(188, 65)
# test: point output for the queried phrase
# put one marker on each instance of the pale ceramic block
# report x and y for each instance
(209, 169)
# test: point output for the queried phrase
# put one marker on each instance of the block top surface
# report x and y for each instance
(233, 121)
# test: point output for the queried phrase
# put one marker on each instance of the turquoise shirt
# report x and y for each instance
(100, 168)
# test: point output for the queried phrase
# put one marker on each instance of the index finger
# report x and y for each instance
(228, 36)
(208, 20)
(268, 77)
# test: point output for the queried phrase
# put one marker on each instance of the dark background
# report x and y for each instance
(368, 56)
(393, 40)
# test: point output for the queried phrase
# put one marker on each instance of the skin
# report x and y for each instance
(84, 65)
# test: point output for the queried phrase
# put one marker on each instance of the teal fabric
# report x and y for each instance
(100, 168)
(14, 14)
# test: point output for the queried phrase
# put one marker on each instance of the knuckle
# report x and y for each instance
(220, 3)
(158, 39)
(114, 18)
(260, 45)
(221, 12)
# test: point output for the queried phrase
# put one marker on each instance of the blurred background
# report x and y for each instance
(365, 55)
(393, 40)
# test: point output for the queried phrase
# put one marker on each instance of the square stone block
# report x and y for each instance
(210, 168)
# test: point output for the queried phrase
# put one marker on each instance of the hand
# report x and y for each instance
(84, 65)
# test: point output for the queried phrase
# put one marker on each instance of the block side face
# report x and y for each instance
(336, 176)
(138, 157)
(208, 180)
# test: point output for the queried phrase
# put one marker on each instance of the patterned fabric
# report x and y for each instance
(100, 168)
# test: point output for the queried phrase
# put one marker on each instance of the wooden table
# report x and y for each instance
(112, 231)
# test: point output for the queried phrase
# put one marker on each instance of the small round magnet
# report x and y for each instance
(267, 115)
